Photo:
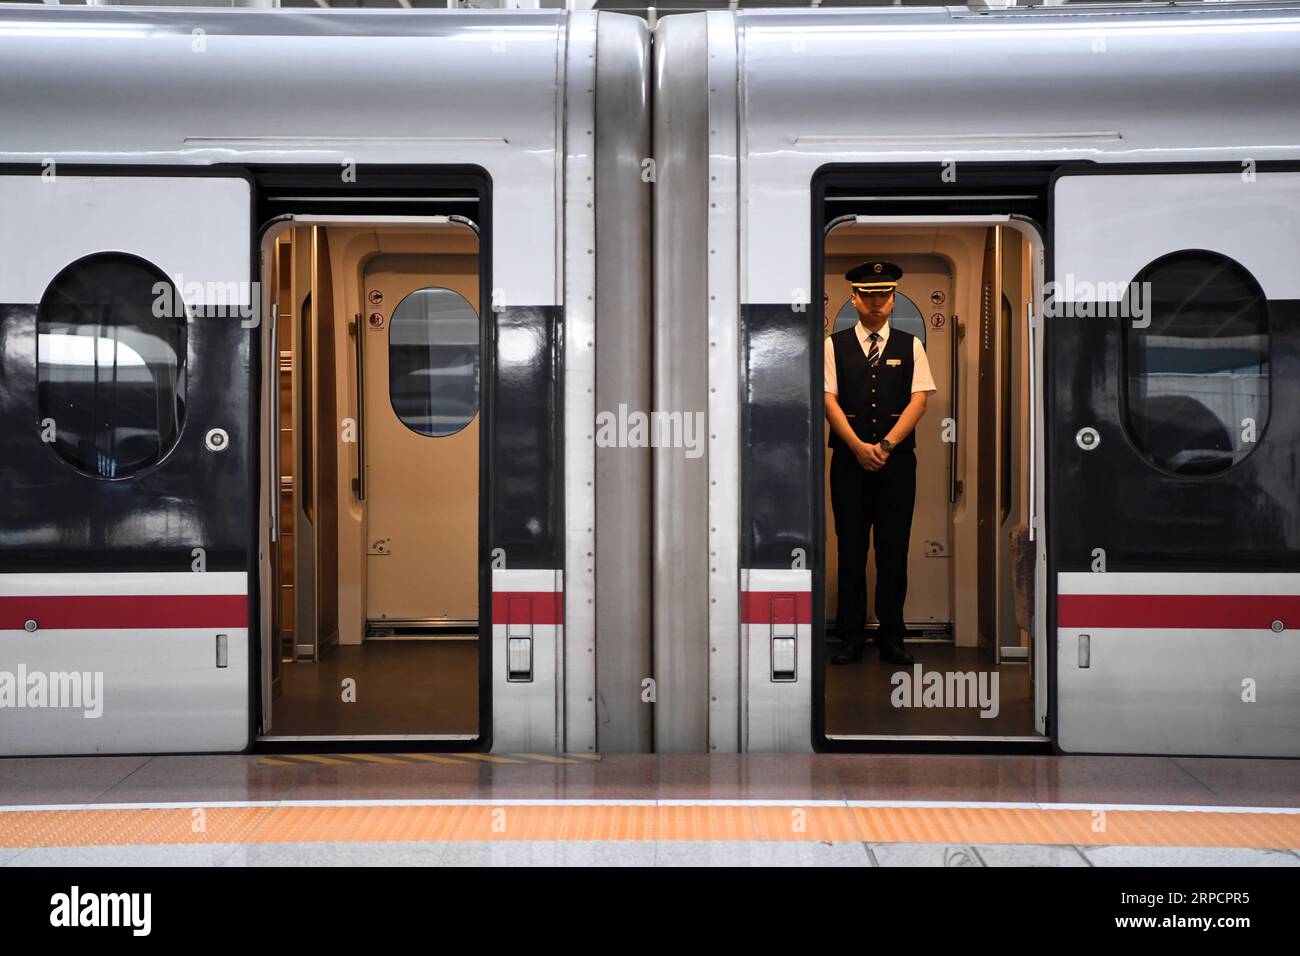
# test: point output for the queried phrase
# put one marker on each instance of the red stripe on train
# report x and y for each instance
(124, 611)
(776, 607)
(527, 607)
(1220, 611)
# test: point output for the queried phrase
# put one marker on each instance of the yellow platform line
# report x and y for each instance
(318, 758)
(376, 758)
(488, 758)
(284, 760)
(544, 758)
(481, 821)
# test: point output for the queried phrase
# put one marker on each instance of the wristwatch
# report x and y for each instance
(886, 444)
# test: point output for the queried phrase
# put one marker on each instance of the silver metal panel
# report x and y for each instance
(197, 87)
(1193, 213)
(151, 690)
(946, 88)
(724, 224)
(1175, 692)
(778, 715)
(681, 537)
(624, 188)
(526, 715)
(579, 648)
(53, 221)
(1212, 691)
(162, 692)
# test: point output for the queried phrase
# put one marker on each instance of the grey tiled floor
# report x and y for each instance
(1187, 856)
(1031, 779)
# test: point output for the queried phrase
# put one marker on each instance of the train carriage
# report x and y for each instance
(1096, 215)
(299, 322)
(321, 333)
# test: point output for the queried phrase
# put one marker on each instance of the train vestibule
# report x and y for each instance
(375, 628)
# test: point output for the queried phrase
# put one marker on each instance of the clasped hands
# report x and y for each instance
(870, 457)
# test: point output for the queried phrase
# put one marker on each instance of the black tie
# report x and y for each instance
(874, 355)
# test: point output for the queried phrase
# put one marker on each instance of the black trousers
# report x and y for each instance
(864, 502)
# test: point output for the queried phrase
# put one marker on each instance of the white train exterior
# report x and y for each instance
(652, 205)
(1139, 133)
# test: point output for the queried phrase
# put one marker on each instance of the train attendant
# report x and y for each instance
(877, 384)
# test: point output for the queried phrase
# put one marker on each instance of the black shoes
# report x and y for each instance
(848, 653)
(893, 652)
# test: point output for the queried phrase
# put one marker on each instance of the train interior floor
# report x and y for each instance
(649, 810)
(402, 688)
(866, 698)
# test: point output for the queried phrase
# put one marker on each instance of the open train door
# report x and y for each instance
(126, 336)
(1172, 329)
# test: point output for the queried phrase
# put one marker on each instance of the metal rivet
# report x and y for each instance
(1277, 626)
(216, 439)
(29, 626)
(1087, 438)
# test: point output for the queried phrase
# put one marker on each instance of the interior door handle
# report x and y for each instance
(276, 412)
(359, 485)
(1033, 420)
(956, 398)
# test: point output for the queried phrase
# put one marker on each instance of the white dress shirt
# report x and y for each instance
(922, 380)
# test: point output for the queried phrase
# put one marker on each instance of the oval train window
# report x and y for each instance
(110, 364)
(1197, 395)
(906, 316)
(433, 360)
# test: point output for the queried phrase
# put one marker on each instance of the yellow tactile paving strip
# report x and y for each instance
(344, 760)
(655, 822)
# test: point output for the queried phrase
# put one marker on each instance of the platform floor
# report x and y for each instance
(817, 810)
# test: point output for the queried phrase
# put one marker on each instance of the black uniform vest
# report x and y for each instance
(873, 398)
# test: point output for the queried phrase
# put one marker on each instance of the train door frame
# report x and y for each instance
(267, 509)
(1037, 472)
(269, 643)
(994, 194)
(402, 195)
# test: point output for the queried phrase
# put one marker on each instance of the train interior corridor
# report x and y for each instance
(374, 566)
(965, 293)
